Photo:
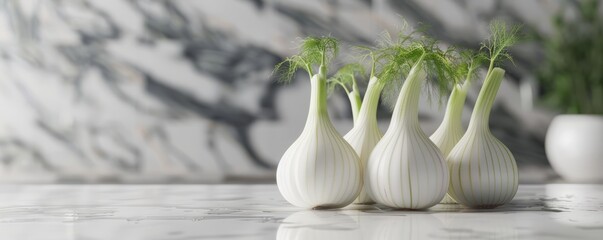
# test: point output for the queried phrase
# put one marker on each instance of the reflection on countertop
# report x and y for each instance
(558, 211)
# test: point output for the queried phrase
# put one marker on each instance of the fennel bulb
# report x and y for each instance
(366, 133)
(483, 172)
(385, 67)
(320, 169)
(405, 169)
(450, 130)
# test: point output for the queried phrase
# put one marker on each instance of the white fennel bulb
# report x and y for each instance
(405, 169)
(320, 169)
(483, 172)
(450, 130)
(366, 133)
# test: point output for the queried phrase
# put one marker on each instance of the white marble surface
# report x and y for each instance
(559, 211)
(144, 91)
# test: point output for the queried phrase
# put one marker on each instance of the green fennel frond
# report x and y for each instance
(313, 52)
(440, 68)
(389, 58)
(396, 62)
(286, 69)
(375, 57)
(425, 53)
(346, 77)
(398, 59)
(320, 50)
(362, 53)
(469, 62)
(350, 70)
(501, 38)
(405, 35)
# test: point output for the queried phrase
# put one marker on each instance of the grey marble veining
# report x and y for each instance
(92, 212)
(181, 91)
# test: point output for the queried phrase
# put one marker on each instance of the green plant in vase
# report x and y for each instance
(571, 81)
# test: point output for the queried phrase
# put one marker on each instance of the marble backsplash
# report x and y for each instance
(180, 91)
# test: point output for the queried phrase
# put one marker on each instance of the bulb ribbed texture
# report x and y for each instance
(320, 169)
(483, 172)
(405, 169)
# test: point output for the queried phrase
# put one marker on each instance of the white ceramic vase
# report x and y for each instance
(574, 147)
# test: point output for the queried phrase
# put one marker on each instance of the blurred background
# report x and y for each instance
(128, 91)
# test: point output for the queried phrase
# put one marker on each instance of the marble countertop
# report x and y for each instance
(557, 211)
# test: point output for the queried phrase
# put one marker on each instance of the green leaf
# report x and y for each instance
(570, 79)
